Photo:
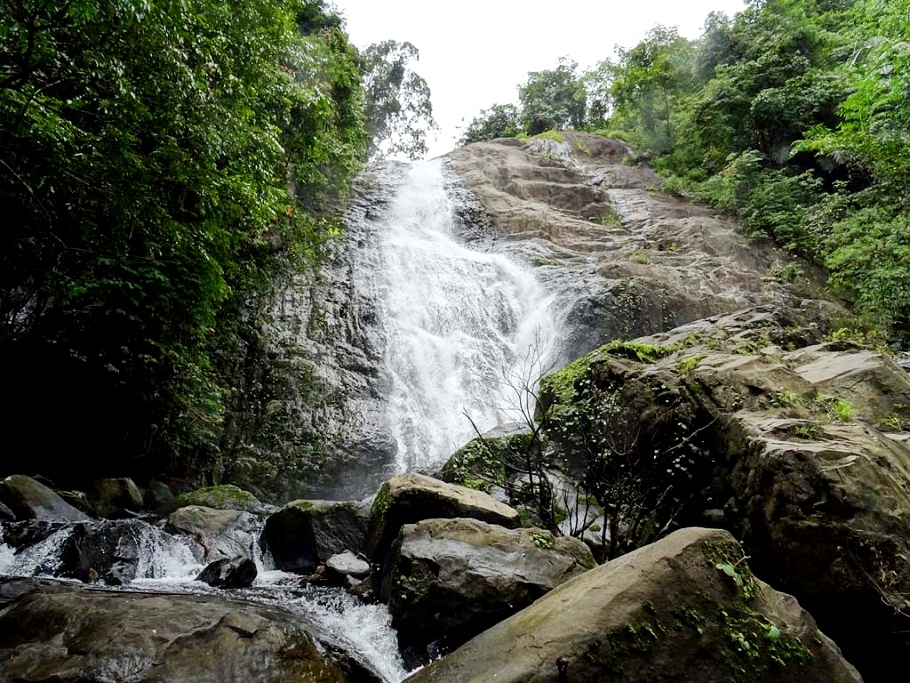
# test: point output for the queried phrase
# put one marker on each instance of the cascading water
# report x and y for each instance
(166, 562)
(466, 331)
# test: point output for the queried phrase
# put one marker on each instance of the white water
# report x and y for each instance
(166, 562)
(465, 329)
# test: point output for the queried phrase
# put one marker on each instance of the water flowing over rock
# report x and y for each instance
(622, 258)
(458, 322)
(58, 633)
(414, 334)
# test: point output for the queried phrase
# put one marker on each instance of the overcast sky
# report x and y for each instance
(474, 53)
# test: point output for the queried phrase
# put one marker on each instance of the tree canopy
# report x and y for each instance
(159, 159)
(792, 115)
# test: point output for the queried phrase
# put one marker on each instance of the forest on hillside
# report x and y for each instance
(160, 163)
(793, 116)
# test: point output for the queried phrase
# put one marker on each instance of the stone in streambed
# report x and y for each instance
(413, 497)
(217, 534)
(30, 499)
(306, 533)
(236, 572)
(115, 498)
(67, 633)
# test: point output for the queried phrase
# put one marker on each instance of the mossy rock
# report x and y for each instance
(664, 613)
(223, 497)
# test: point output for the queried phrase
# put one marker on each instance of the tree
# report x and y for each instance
(397, 103)
(148, 150)
(552, 99)
(649, 81)
(499, 121)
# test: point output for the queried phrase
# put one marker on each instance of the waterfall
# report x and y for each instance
(467, 331)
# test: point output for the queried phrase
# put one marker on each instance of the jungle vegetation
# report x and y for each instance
(792, 116)
(159, 162)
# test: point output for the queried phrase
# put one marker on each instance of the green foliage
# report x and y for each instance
(499, 121)
(552, 99)
(148, 152)
(397, 103)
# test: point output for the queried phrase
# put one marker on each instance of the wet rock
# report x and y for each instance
(6, 515)
(30, 499)
(346, 564)
(686, 608)
(30, 532)
(106, 551)
(237, 572)
(159, 497)
(79, 500)
(622, 258)
(63, 633)
(224, 497)
(306, 533)
(217, 534)
(411, 497)
(803, 444)
(115, 498)
(450, 579)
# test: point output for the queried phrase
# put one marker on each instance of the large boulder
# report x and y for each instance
(224, 497)
(686, 608)
(412, 497)
(115, 497)
(217, 534)
(30, 499)
(798, 443)
(62, 633)
(450, 579)
(305, 533)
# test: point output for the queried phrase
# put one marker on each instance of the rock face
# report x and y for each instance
(624, 258)
(413, 497)
(30, 499)
(450, 579)
(218, 534)
(686, 608)
(803, 443)
(306, 533)
(115, 497)
(62, 633)
(309, 419)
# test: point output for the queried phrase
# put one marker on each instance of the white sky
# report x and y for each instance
(474, 53)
